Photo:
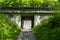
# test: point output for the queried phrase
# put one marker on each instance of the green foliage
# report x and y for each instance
(30, 3)
(8, 30)
(49, 29)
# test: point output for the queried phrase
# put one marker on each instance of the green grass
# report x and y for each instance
(8, 30)
(49, 29)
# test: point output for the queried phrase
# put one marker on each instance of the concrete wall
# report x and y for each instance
(15, 18)
(37, 19)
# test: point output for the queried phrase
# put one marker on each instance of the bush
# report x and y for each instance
(8, 30)
(49, 29)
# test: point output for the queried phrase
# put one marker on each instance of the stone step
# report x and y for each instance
(26, 35)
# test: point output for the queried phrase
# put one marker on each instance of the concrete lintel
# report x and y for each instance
(31, 11)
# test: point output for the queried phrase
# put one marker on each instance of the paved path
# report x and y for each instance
(26, 35)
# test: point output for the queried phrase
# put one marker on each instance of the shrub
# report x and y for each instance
(8, 30)
(49, 29)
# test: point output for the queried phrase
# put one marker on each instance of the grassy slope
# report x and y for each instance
(8, 30)
(49, 29)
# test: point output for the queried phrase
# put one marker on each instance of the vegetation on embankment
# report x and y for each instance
(49, 29)
(42, 4)
(8, 30)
